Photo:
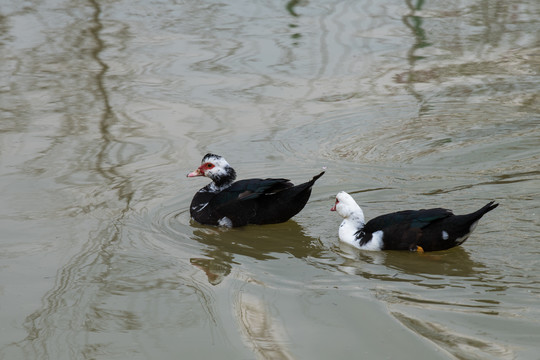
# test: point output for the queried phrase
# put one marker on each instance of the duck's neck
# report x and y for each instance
(214, 188)
(223, 180)
(349, 227)
(355, 215)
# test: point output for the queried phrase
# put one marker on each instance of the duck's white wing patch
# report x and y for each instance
(461, 240)
(376, 242)
(225, 221)
(444, 235)
(199, 207)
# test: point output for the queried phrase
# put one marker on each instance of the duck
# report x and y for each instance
(414, 230)
(229, 203)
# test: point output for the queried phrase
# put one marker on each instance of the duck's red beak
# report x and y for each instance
(197, 172)
(334, 207)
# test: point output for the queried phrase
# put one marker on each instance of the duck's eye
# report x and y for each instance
(209, 165)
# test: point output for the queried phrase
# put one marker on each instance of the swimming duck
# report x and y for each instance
(414, 230)
(225, 202)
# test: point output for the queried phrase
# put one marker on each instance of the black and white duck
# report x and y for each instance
(230, 203)
(414, 230)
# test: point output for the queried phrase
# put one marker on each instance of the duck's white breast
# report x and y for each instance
(347, 231)
(375, 244)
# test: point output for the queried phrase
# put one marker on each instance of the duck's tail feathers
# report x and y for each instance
(487, 208)
(316, 177)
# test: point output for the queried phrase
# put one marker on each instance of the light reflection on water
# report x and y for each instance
(409, 105)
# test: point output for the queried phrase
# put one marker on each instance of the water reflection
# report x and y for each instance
(419, 289)
(291, 4)
(261, 331)
(460, 345)
(223, 246)
(71, 306)
(414, 23)
(410, 267)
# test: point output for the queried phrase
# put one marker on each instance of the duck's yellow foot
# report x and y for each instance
(419, 249)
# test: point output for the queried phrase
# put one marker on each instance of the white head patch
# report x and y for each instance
(220, 165)
(348, 208)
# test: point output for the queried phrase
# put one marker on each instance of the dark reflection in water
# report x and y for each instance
(83, 278)
(291, 4)
(414, 23)
(397, 266)
(509, 178)
(257, 242)
(459, 345)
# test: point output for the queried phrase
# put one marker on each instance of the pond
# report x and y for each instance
(105, 107)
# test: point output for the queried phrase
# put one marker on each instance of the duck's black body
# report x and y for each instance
(431, 229)
(252, 201)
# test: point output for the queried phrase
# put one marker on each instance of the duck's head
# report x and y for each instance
(216, 168)
(347, 207)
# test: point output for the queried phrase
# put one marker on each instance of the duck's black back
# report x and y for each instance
(432, 229)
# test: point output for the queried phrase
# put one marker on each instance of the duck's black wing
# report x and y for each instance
(249, 189)
(414, 218)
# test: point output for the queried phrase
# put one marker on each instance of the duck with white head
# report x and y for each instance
(413, 230)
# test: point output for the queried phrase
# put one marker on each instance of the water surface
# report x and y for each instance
(105, 106)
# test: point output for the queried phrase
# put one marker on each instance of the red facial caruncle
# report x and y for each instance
(201, 170)
(334, 207)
